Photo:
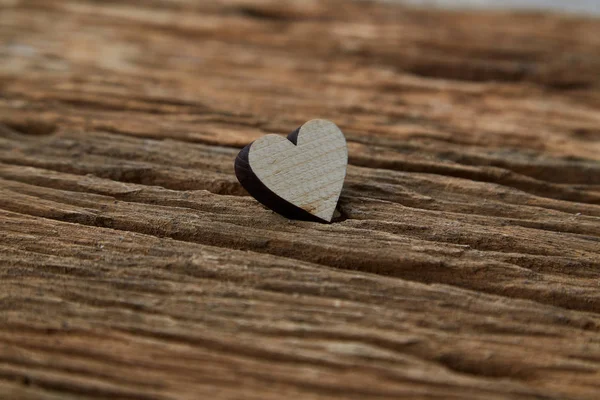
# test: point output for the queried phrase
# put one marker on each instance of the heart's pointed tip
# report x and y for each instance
(326, 216)
(327, 220)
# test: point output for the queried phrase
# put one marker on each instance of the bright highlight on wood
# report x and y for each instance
(299, 177)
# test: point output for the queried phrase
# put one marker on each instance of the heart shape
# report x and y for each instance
(300, 177)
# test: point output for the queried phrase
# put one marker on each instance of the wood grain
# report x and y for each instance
(133, 265)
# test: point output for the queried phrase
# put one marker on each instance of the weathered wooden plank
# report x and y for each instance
(134, 265)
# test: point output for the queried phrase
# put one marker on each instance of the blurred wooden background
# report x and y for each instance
(583, 7)
(134, 266)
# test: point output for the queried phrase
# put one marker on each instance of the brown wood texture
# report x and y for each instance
(134, 266)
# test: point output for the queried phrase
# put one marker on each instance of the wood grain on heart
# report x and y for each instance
(300, 177)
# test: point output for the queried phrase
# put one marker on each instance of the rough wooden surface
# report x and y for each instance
(134, 266)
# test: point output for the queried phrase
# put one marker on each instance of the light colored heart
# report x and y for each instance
(310, 174)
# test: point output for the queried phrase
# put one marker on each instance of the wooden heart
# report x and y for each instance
(300, 177)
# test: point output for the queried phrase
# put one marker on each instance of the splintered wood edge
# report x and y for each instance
(263, 194)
